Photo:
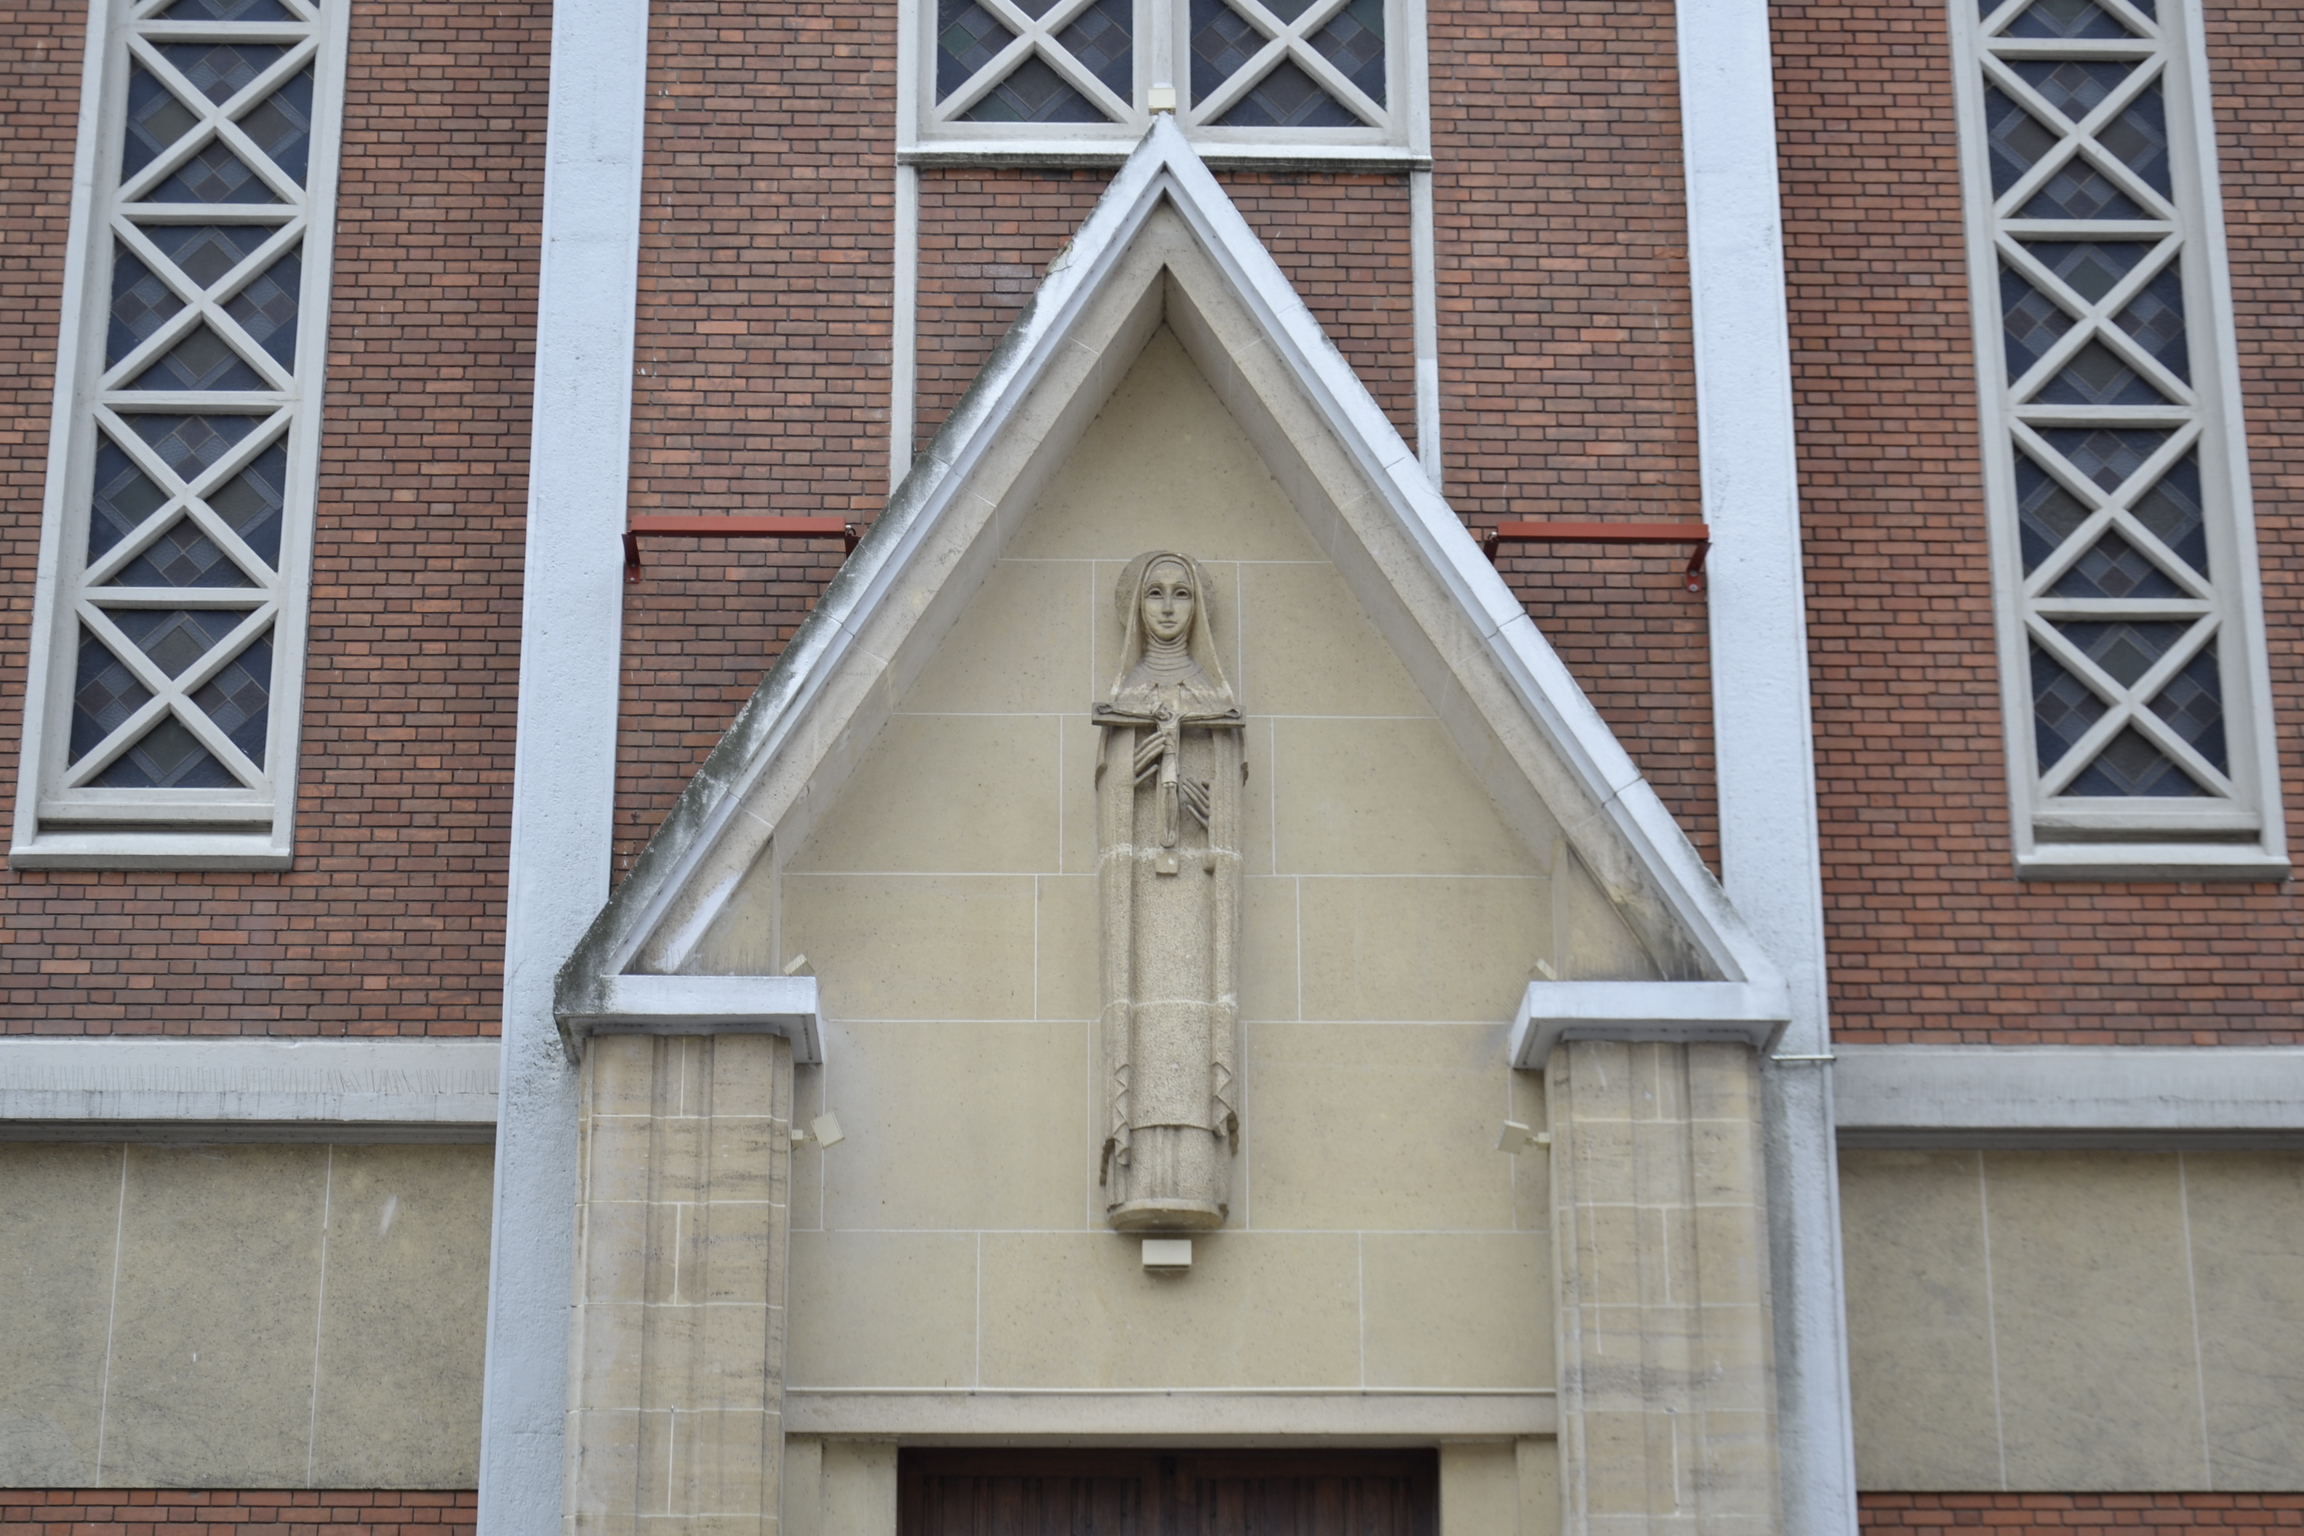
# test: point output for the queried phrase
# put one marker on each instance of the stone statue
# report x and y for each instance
(1168, 775)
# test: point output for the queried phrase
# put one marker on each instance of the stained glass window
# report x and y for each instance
(2135, 637)
(179, 603)
(1254, 66)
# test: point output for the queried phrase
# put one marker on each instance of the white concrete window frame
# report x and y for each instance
(61, 822)
(933, 129)
(2233, 830)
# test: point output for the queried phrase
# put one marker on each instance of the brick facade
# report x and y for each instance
(1567, 374)
(766, 281)
(2058, 1514)
(232, 1512)
(391, 921)
(1932, 938)
(762, 384)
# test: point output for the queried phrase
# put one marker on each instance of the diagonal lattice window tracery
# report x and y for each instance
(191, 418)
(1298, 66)
(2085, 222)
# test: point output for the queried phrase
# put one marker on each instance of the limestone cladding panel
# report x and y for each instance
(1508, 1488)
(1931, 938)
(676, 1335)
(947, 902)
(233, 1512)
(1667, 1374)
(391, 921)
(242, 1316)
(2076, 1321)
(986, 236)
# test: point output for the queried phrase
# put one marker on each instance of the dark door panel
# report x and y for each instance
(1168, 1493)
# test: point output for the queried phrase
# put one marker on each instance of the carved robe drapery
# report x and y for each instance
(1168, 780)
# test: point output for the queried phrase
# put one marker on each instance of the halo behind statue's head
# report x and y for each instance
(1200, 638)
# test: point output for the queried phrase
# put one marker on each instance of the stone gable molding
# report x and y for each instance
(1164, 245)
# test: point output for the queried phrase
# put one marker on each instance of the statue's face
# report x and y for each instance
(1168, 599)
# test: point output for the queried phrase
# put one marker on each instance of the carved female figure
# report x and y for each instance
(1168, 777)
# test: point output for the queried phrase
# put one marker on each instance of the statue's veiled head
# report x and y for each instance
(1166, 619)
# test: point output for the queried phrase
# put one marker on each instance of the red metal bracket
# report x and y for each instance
(1696, 534)
(735, 528)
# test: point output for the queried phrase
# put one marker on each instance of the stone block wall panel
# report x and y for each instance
(2101, 1322)
(242, 1316)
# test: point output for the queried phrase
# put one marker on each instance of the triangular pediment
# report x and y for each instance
(1165, 388)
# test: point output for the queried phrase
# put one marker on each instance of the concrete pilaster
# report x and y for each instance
(676, 1341)
(1660, 1240)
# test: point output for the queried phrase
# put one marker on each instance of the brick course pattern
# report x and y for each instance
(1567, 373)
(766, 285)
(392, 920)
(234, 1512)
(1932, 938)
(2060, 1514)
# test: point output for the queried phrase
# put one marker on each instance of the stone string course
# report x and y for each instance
(391, 921)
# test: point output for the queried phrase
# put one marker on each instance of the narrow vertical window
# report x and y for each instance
(2132, 647)
(161, 712)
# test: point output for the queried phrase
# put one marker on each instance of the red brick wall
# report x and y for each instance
(226, 1512)
(40, 76)
(986, 236)
(1566, 371)
(391, 921)
(2059, 1514)
(1932, 937)
(766, 265)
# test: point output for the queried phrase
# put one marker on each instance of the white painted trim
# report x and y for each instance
(56, 824)
(2237, 833)
(702, 1005)
(1612, 815)
(1171, 1416)
(1553, 1011)
(904, 328)
(564, 768)
(1763, 741)
(1917, 1094)
(320, 1083)
(1424, 300)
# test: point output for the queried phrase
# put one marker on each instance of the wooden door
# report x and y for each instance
(1168, 1493)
